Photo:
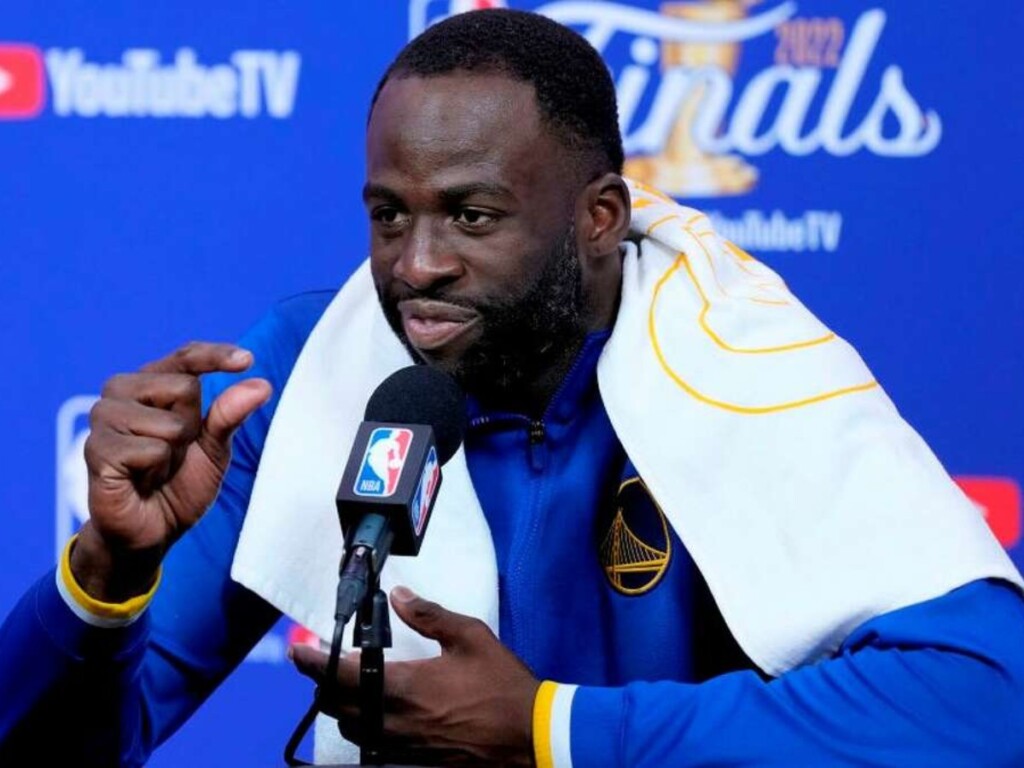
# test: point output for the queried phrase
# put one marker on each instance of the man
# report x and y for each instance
(498, 222)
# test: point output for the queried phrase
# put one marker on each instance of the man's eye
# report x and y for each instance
(389, 217)
(473, 218)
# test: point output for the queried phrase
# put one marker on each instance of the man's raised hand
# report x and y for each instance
(155, 464)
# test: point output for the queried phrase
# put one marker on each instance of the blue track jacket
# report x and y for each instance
(596, 594)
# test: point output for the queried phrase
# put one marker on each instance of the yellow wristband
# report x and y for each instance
(129, 609)
(542, 706)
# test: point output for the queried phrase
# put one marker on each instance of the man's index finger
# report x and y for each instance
(200, 357)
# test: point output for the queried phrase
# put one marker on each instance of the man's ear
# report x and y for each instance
(603, 215)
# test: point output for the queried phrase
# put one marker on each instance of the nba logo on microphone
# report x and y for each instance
(426, 491)
(383, 462)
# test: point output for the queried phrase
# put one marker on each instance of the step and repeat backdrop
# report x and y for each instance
(170, 170)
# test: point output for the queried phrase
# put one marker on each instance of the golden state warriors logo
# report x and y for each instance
(636, 549)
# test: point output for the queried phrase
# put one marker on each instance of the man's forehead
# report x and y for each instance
(461, 118)
(481, 94)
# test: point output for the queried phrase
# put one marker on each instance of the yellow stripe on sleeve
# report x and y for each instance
(125, 611)
(543, 704)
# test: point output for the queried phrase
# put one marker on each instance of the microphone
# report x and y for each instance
(414, 422)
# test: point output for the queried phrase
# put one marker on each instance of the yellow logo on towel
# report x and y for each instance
(636, 550)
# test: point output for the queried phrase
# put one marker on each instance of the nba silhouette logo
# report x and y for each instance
(425, 13)
(425, 492)
(72, 478)
(383, 462)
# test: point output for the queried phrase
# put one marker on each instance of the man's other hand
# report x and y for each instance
(471, 705)
(155, 464)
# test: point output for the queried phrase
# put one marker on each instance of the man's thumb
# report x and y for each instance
(427, 618)
(233, 406)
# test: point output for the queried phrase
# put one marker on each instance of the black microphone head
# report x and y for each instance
(420, 394)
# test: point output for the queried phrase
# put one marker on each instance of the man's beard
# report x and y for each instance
(522, 334)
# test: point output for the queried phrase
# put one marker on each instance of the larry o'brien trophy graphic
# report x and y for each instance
(683, 169)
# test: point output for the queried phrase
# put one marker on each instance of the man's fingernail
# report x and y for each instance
(240, 357)
(403, 594)
(259, 384)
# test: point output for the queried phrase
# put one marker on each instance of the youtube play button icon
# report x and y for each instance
(998, 500)
(22, 81)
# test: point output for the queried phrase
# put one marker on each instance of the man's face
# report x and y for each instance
(473, 248)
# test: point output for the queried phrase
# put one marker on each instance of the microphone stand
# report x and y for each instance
(372, 634)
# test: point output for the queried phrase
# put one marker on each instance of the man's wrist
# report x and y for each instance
(107, 576)
(95, 611)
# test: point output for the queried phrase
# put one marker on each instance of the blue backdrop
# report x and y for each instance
(169, 170)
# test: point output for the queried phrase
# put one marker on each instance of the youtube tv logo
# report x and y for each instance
(22, 81)
(998, 500)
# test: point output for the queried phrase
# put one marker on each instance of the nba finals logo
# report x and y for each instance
(693, 123)
(383, 462)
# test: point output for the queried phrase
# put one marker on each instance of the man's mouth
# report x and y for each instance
(430, 325)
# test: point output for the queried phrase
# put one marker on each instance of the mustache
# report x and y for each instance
(394, 296)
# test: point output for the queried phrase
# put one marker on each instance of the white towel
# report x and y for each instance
(808, 504)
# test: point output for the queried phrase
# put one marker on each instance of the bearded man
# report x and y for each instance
(644, 399)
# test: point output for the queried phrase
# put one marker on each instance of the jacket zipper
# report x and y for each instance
(517, 579)
(537, 433)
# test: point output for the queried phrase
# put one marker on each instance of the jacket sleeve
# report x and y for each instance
(97, 696)
(939, 683)
(112, 695)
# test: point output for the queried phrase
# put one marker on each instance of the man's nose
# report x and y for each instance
(427, 257)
